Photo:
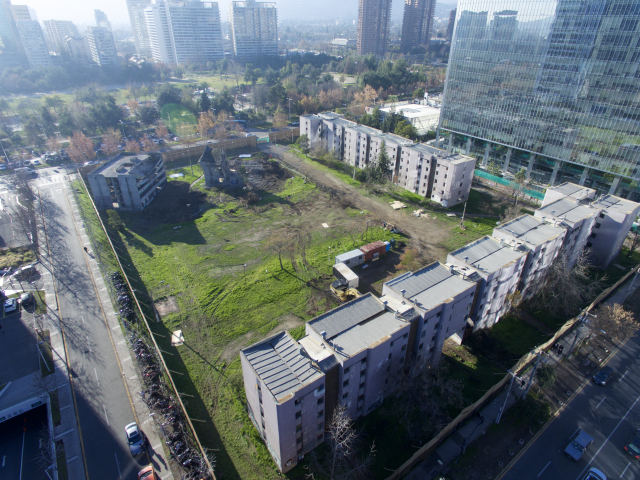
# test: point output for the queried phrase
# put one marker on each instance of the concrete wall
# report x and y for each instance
(310, 125)
(416, 172)
(608, 235)
(357, 148)
(452, 181)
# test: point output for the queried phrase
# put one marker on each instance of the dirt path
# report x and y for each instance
(426, 235)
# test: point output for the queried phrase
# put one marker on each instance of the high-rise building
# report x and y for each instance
(183, 32)
(56, 31)
(102, 20)
(373, 26)
(9, 35)
(78, 48)
(452, 24)
(417, 23)
(20, 13)
(102, 47)
(550, 89)
(34, 45)
(139, 26)
(254, 29)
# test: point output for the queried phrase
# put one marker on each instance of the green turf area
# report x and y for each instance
(177, 116)
(187, 172)
(516, 336)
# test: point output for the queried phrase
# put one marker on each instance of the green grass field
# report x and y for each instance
(176, 116)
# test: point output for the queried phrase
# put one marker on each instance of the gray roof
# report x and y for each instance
(138, 165)
(430, 286)
(568, 209)
(531, 230)
(349, 255)
(365, 130)
(392, 138)
(458, 158)
(573, 190)
(280, 365)
(347, 316)
(428, 150)
(609, 202)
(360, 337)
(487, 254)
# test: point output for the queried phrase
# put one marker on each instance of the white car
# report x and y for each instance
(595, 474)
(10, 305)
(136, 440)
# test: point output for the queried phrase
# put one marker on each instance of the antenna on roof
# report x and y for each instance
(403, 291)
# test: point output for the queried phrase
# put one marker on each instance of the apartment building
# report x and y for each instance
(417, 23)
(544, 241)
(578, 217)
(373, 27)
(443, 297)
(612, 227)
(78, 49)
(56, 31)
(499, 266)
(102, 46)
(430, 172)
(101, 19)
(158, 33)
(8, 31)
(369, 339)
(254, 29)
(137, 17)
(34, 44)
(571, 190)
(128, 183)
(285, 397)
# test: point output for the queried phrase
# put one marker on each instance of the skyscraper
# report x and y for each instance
(9, 35)
(550, 88)
(139, 26)
(102, 20)
(452, 24)
(373, 26)
(417, 23)
(56, 31)
(102, 47)
(34, 45)
(254, 29)
(183, 32)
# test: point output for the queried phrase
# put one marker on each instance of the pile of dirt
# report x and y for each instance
(175, 203)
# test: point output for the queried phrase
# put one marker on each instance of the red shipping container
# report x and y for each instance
(374, 250)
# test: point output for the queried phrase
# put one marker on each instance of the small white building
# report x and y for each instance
(500, 265)
(423, 117)
(544, 241)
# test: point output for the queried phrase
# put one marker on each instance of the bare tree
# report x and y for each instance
(615, 320)
(281, 244)
(50, 451)
(511, 212)
(347, 457)
(632, 241)
(565, 290)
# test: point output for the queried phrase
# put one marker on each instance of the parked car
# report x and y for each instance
(603, 375)
(26, 298)
(36, 162)
(135, 439)
(633, 445)
(578, 445)
(594, 474)
(3, 167)
(148, 473)
(10, 305)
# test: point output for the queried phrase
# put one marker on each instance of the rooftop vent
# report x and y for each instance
(323, 334)
(403, 291)
(466, 259)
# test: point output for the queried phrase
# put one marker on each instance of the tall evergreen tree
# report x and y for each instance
(205, 103)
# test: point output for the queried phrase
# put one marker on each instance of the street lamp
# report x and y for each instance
(122, 126)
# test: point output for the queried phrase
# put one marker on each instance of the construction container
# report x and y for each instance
(342, 272)
(351, 259)
(388, 246)
(373, 250)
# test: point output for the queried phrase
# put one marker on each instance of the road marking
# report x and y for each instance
(607, 440)
(156, 447)
(24, 432)
(623, 375)
(126, 359)
(4, 459)
(545, 467)
(117, 464)
(89, 346)
(82, 317)
(94, 369)
(107, 418)
(601, 402)
(625, 470)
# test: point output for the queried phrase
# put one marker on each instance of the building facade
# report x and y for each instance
(373, 27)
(254, 29)
(550, 88)
(102, 20)
(56, 31)
(184, 32)
(78, 49)
(499, 266)
(34, 45)
(8, 31)
(128, 183)
(427, 171)
(139, 26)
(102, 47)
(417, 23)
(423, 117)
(451, 25)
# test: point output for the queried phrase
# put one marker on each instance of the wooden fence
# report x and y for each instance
(289, 134)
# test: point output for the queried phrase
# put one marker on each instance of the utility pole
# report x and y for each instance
(505, 398)
(583, 317)
(463, 212)
(533, 373)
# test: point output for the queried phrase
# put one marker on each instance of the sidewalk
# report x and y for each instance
(144, 419)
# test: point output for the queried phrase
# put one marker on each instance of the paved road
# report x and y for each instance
(102, 402)
(609, 414)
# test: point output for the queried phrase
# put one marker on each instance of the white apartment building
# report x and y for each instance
(578, 217)
(394, 145)
(544, 241)
(184, 32)
(56, 31)
(34, 44)
(102, 47)
(78, 48)
(443, 297)
(612, 227)
(356, 145)
(137, 15)
(254, 29)
(423, 117)
(327, 131)
(452, 179)
(499, 265)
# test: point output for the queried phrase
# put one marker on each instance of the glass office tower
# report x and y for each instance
(551, 86)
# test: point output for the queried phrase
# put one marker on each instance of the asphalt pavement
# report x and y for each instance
(610, 414)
